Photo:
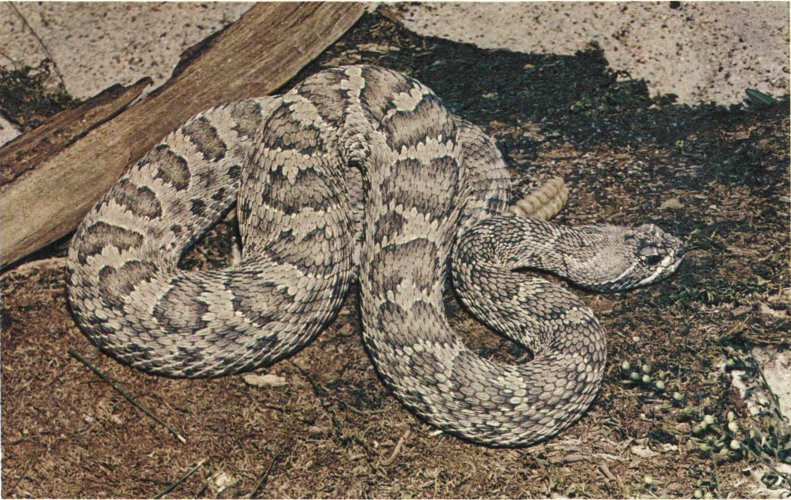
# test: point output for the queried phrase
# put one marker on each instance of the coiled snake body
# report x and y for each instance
(358, 171)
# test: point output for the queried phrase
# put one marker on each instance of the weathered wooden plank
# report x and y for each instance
(31, 149)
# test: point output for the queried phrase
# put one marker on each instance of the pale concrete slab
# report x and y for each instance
(98, 44)
(701, 51)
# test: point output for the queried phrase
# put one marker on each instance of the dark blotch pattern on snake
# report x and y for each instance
(357, 172)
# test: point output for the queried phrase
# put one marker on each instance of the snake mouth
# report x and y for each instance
(665, 268)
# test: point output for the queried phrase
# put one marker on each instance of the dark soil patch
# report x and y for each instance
(716, 177)
(28, 96)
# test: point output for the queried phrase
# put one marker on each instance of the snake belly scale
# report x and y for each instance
(359, 171)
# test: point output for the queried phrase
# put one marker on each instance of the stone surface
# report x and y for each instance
(7, 131)
(98, 44)
(701, 51)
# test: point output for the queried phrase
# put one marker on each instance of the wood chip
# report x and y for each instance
(765, 309)
(572, 457)
(643, 451)
(264, 380)
(672, 203)
(606, 471)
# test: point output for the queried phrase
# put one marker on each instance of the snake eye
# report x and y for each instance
(650, 256)
(652, 260)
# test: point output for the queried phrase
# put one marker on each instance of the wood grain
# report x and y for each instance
(29, 150)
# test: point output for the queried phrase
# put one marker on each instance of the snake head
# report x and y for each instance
(627, 258)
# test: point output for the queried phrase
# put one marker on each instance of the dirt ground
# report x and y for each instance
(716, 177)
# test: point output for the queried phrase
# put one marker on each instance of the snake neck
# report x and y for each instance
(530, 310)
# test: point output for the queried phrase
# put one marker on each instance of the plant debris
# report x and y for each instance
(717, 177)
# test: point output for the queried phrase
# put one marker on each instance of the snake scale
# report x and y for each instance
(357, 172)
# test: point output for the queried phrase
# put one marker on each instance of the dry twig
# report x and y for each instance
(396, 448)
(126, 395)
(266, 473)
(183, 478)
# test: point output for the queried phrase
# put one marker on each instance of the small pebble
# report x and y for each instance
(221, 481)
(316, 431)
